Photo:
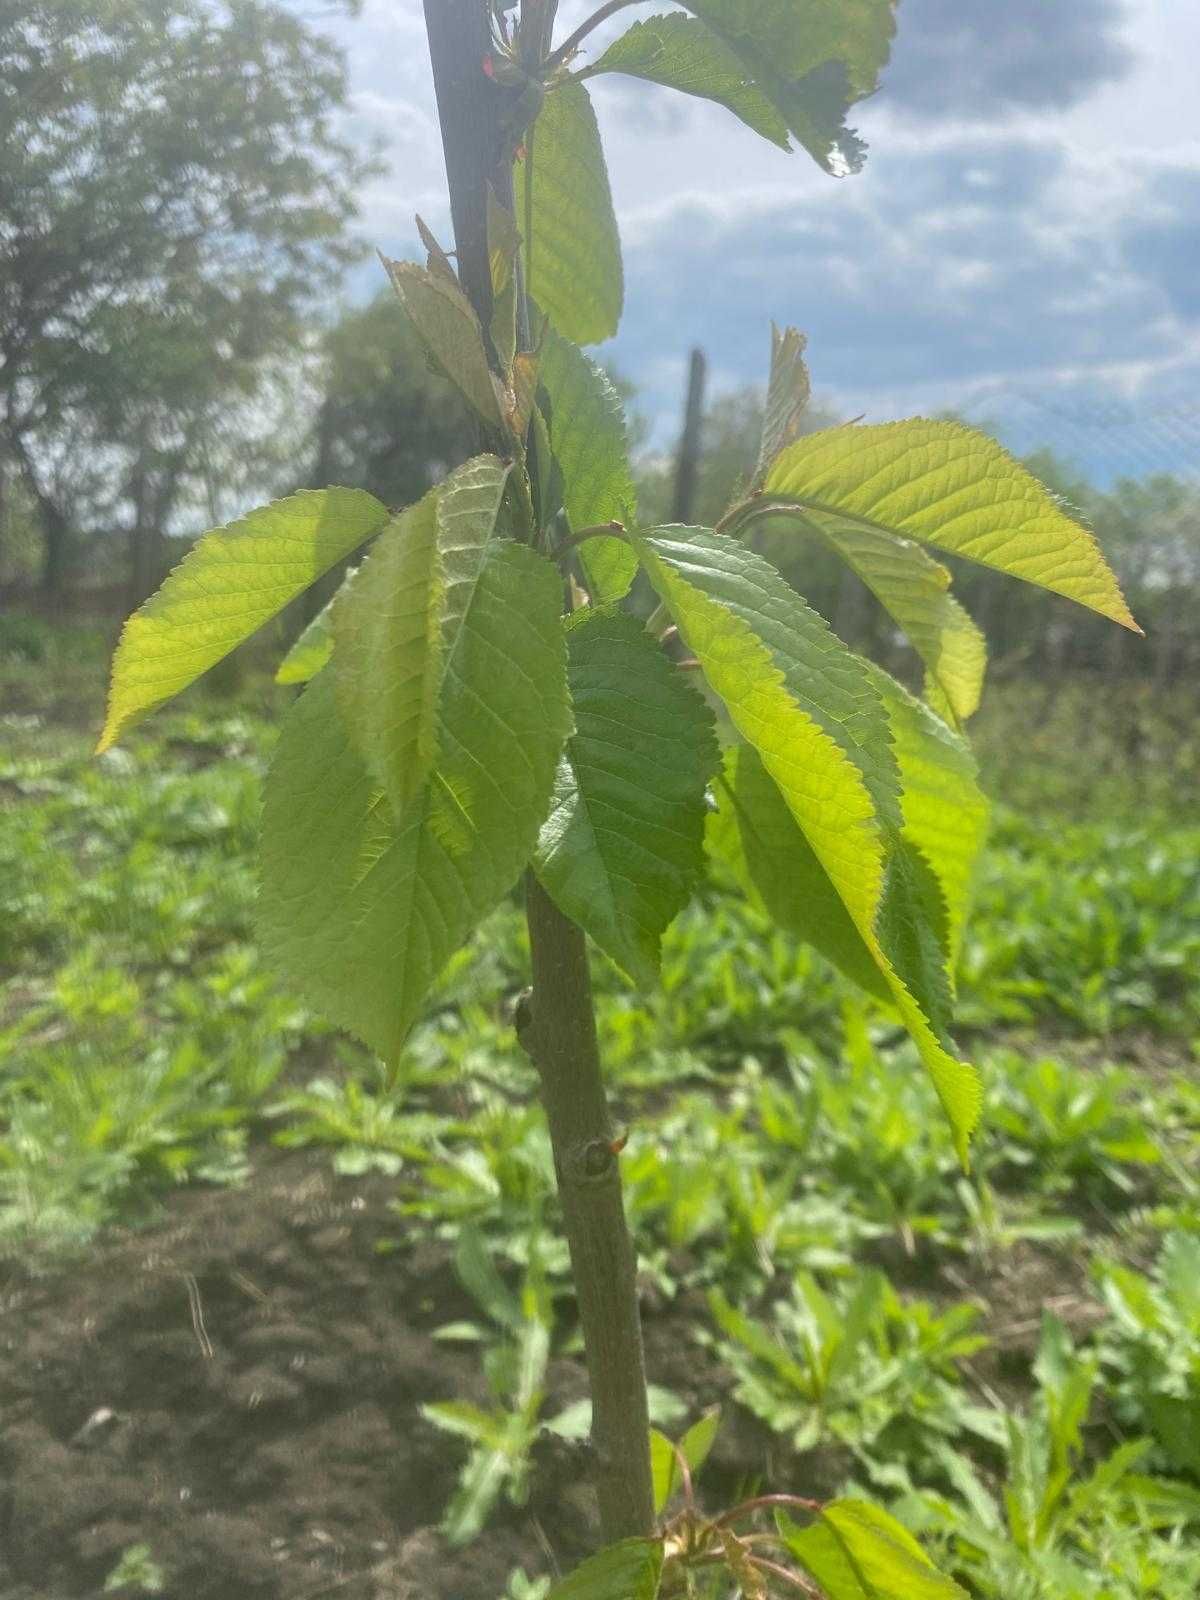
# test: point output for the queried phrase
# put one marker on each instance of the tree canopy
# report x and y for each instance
(175, 198)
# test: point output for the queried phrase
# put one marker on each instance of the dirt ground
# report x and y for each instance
(238, 1388)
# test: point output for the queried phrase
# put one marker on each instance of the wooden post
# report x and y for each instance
(687, 468)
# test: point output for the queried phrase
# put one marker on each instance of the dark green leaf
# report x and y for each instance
(623, 846)
(628, 1571)
(812, 59)
(683, 54)
(586, 424)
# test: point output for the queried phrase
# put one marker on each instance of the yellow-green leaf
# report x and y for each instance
(565, 211)
(953, 487)
(387, 658)
(913, 588)
(855, 1551)
(759, 841)
(230, 582)
(311, 650)
(360, 908)
(788, 394)
(664, 1456)
(945, 813)
(795, 694)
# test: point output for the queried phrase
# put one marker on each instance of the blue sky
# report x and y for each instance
(1023, 244)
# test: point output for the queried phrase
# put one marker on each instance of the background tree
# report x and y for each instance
(174, 199)
(386, 422)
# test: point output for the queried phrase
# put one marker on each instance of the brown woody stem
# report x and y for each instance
(556, 1022)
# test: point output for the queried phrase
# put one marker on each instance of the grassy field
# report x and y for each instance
(1010, 1361)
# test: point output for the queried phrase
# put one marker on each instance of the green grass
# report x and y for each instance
(786, 1165)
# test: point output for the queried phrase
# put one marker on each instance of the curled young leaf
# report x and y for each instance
(449, 330)
(788, 394)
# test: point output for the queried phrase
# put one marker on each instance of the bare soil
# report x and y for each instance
(239, 1386)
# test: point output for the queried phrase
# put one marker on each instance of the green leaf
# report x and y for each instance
(912, 587)
(944, 820)
(815, 717)
(446, 324)
(465, 1420)
(623, 846)
(627, 1571)
(812, 59)
(683, 54)
(504, 244)
(479, 1487)
(572, 249)
(586, 424)
(755, 835)
(694, 1447)
(857, 1552)
(478, 1274)
(944, 810)
(361, 908)
(955, 488)
(230, 582)
(788, 394)
(311, 650)
(663, 1469)
(387, 659)
(830, 685)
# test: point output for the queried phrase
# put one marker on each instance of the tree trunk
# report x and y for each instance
(56, 529)
(142, 564)
(557, 1020)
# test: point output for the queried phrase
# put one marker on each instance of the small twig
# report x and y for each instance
(751, 510)
(764, 1502)
(569, 45)
(600, 530)
(778, 1571)
(659, 621)
(685, 1472)
(197, 1310)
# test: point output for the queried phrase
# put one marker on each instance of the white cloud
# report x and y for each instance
(1030, 238)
